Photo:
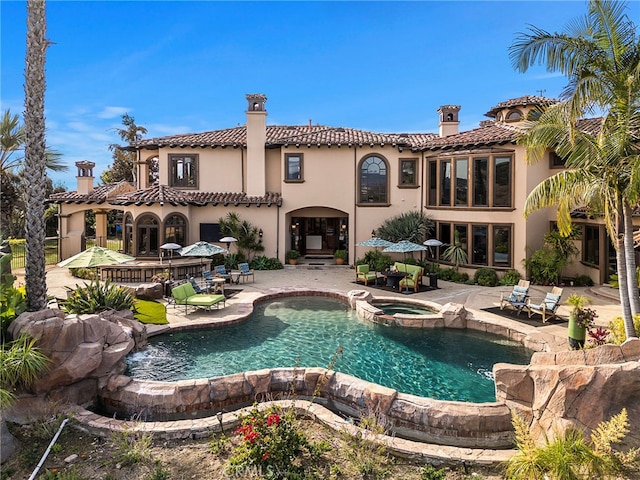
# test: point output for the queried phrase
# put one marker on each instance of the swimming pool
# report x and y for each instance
(391, 308)
(308, 331)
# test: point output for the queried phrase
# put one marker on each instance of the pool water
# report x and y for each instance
(405, 308)
(443, 364)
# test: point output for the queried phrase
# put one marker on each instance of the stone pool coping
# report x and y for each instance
(204, 427)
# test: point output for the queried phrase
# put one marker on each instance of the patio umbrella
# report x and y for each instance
(404, 246)
(375, 242)
(201, 249)
(95, 257)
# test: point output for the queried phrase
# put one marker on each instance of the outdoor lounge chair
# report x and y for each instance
(245, 272)
(411, 281)
(363, 274)
(185, 295)
(548, 307)
(197, 288)
(517, 297)
(221, 271)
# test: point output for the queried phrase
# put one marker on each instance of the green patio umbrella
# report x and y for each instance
(95, 257)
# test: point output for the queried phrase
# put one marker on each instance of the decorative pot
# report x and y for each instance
(339, 261)
(577, 334)
(293, 261)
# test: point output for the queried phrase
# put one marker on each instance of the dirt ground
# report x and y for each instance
(81, 456)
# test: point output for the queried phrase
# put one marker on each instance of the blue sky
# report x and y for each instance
(184, 66)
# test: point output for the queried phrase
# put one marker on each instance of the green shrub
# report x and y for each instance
(569, 455)
(429, 472)
(485, 276)
(12, 300)
(377, 261)
(84, 273)
(96, 297)
(616, 327)
(583, 281)
(271, 441)
(292, 255)
(131, 447)
(511, 277)
(266, 263)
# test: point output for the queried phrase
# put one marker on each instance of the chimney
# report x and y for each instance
(85, 176)
(448, 120)
(256, 139)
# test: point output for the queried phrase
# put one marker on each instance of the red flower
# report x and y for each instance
(251, 436)
(273, 419)
(265, 456)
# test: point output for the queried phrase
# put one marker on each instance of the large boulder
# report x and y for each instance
(80, 347)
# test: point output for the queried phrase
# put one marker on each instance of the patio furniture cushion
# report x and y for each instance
(185, 295)
(410, 269)
(411, 281)
(517, 296)
(549, 305)
(364, 274)
(221, 271)
(245, 271)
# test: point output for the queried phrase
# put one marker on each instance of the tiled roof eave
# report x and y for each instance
(466, 145)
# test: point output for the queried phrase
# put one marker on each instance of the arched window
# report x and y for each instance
(175, 229)
(147, 236)
(514, 116)
(373, 180)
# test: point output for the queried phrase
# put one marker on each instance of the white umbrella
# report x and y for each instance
(171, 247)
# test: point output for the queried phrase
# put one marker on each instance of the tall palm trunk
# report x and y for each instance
(34, 155)
(630, 261)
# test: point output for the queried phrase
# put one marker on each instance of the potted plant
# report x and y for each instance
(580, 320)
(340, 256)
(292, 256)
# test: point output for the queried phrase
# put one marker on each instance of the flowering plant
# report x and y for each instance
(584, 317)
(271, 442)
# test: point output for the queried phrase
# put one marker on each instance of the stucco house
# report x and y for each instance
(319, 188)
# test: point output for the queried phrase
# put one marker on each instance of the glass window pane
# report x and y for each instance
(433, 183)
(293, 167)
(462, 181)
(502, 182)
(184, 170)
(480, 182)
(444, 235)
(591, 248)
(373, 181)
(502, 246)
(408, 172)
(445, 182)
(479, 234)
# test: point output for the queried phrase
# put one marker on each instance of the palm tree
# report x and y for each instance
(34, 155)
(600, 55)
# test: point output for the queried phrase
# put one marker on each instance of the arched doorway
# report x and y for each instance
(127, 236)
(319, 231)
(147, 237)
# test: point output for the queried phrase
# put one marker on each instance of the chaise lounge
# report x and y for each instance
(185, 295)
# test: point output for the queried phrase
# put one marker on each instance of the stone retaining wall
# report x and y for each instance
(459, 424)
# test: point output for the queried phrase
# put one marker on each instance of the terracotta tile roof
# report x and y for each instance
(175, 196)
(526, 101)
(490, 134)
(281, 135)
(100, 194)
(165, 194)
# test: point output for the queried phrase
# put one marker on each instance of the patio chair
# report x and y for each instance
(221, 271)
(517, 297)
(411, 281)
(364, 274)
(245, 272)
(548, 307)
(197, 288)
